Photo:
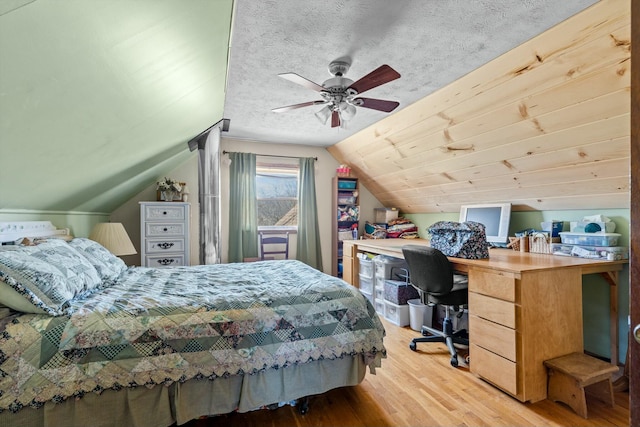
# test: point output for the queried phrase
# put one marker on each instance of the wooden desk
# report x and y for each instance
(524, 308)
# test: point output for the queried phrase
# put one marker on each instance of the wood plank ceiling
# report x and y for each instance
(545, 126)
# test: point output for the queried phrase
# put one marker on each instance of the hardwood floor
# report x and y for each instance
(422, 389)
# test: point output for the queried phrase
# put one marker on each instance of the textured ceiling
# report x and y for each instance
(430, 43)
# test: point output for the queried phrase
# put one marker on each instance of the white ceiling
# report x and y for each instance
(429, 42)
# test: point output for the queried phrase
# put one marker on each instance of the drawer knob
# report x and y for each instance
(164, 213)
(165, 245)
(165, 261)
(165, 229)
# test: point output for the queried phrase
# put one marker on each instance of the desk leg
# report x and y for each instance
(612, 278)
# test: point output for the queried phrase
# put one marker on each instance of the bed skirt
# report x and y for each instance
(182, 402)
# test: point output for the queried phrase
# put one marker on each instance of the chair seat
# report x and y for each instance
(457, 296)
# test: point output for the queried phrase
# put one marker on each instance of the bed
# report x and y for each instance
(86, 340)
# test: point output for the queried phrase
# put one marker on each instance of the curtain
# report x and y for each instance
(308, 238)
(243, 219)
(209, 185)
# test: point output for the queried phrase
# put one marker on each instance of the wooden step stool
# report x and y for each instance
(570, 375)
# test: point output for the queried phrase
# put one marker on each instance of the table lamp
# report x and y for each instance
(114, 237)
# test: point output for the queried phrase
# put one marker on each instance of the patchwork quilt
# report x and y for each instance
(159, 326)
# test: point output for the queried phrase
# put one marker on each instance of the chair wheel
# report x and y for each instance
(412, 346)
(454, 361)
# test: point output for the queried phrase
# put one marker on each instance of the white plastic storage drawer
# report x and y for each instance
(366, 267)
(398, 314)
(366, 284)
(387, 267)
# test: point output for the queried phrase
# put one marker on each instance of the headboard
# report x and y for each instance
(12, 231)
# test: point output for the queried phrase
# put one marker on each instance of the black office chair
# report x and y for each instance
(432, 275)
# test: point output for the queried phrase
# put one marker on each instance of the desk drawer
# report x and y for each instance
(493, 337)
(495, 369)
(497, 284)
(164, 245)
(496, 310)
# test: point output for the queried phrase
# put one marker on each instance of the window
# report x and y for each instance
(277, 193)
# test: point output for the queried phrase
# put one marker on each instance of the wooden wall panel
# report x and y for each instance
(545, 126)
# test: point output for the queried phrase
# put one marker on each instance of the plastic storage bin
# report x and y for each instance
(347, 184)
(380, 307)
(346, 199)
(590, 239)
(598, 227)
(397, 314)
(387, 267)
(379, 293)
(366, 267)
(366, 284)
(610, 253)
(345, 234)
(384, 215)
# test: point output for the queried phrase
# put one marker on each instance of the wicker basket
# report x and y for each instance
(514, 243)
(541, 243)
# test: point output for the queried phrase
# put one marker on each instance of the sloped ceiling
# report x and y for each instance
(98, 98)
(431, 43)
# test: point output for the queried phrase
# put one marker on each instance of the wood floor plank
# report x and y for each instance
(421, 388)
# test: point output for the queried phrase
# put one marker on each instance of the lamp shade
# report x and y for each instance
(114, 237)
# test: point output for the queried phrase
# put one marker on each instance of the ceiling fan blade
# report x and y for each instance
(379, 76)
(296, 106)
(335, 119)
(295, 78)
(377, 104)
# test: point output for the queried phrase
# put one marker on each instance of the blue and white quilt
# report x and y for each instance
(159, 326)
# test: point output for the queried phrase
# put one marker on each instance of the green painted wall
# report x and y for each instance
(595, 290)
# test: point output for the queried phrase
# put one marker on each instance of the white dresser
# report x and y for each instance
(164, 234)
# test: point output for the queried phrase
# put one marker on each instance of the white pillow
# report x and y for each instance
(45, 277)
(108, 266)
(42, 287)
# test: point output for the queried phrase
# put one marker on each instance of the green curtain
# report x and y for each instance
(308, 238)
(243, 220)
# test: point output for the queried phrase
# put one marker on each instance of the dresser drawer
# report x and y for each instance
(497, 284)
(493, 337)
(157, 229)
(164, 260)
(495, 369)
(164, 245)
(496, 310)
(164, 213)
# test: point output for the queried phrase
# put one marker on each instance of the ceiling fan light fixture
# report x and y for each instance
(347, 111)
(324, 114)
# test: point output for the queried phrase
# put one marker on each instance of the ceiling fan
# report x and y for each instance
(340, 95)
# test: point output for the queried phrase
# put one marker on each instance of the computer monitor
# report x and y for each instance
(494, 216)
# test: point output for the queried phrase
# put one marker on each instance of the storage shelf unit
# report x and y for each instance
(346, 216)
(164, 234)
